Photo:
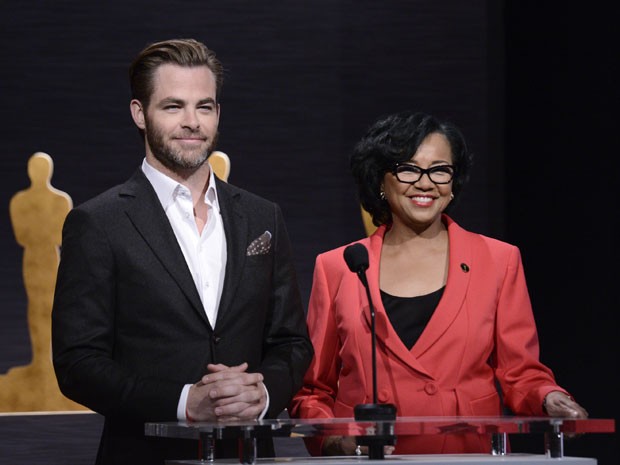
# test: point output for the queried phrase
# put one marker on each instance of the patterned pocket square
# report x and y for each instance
(261, 245)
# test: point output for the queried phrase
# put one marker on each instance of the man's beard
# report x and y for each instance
(174, 159)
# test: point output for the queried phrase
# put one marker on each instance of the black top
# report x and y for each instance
(410, 315)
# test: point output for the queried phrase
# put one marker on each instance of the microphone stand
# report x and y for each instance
(375, 411)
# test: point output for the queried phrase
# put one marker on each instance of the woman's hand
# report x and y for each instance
(558, 404)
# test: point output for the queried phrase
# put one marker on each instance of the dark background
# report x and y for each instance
(532, 85)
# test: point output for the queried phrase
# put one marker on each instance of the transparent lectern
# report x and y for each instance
(552, 431)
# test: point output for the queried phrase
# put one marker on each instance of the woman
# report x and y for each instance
(453, 316)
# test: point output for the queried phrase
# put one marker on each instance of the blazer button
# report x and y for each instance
(216, 339)
(430, 389)
(383, 396)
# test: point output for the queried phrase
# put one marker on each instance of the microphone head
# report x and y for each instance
(356, 256)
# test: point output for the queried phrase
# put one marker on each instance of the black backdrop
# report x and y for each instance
(530, 85)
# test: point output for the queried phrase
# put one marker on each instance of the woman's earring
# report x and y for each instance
(451, 196)
(382, 195)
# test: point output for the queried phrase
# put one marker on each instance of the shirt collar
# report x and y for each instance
(167, 188)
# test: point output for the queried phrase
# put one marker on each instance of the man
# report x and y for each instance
(176, 295)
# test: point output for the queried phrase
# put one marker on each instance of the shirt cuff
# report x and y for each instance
(182, 405)
(264, 412)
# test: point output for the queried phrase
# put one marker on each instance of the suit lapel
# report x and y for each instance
(386, 334)
(236, 230)
(449, 306)
(148, 217)
(453, 297)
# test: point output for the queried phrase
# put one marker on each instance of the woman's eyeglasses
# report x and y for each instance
(410, 174)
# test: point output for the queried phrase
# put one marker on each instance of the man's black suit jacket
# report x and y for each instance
(129, 329)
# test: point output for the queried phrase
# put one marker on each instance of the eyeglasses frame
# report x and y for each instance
(424, 171)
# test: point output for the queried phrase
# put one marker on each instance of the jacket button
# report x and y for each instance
(430, 389)
(383, 396)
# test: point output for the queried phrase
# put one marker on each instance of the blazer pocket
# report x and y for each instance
(486, 405)
(258, 260)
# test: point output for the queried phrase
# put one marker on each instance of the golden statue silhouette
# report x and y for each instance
(37, 215)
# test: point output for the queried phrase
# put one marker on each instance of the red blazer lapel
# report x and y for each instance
(453, 299)
(386, 335)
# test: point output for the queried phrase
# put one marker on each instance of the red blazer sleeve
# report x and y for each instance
(316, 398)
(524, 379)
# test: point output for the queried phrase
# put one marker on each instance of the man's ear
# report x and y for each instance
(137, 113)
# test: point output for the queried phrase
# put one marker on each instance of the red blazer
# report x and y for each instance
(483, 329)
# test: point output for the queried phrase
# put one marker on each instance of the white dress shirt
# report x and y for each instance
(205, 253)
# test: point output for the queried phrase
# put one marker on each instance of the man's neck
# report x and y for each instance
(195, 179)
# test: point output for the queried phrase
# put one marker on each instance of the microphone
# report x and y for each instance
(356, 257)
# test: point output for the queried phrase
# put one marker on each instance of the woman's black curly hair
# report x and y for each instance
(396, 138)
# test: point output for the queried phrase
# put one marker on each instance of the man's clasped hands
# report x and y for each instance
(227, 394)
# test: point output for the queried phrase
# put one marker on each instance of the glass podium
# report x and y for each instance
(378, 433)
